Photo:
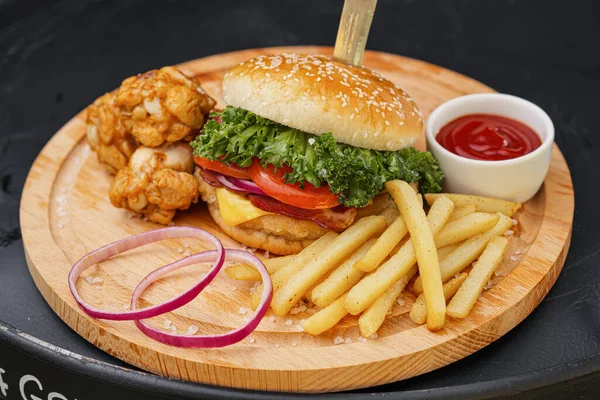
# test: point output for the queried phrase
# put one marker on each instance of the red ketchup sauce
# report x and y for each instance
(488, 137)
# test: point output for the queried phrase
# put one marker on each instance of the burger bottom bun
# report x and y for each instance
(280, 234)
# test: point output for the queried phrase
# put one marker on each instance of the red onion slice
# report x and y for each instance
(120, 246)
(247, 185)
(223, 180)
(209, 341)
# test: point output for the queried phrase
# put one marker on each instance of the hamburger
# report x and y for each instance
(305, 146)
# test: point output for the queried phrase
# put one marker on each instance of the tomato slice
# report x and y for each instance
(273, 184)
(218, 166)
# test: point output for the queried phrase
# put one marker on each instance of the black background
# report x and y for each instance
(56, 57)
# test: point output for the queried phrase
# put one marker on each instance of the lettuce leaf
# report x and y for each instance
(355, 174)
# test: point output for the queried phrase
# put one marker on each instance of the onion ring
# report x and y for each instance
(223, 180)
(208, 341)
(246, 185)
(120, 246)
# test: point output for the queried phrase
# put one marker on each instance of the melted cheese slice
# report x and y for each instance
(236, 209)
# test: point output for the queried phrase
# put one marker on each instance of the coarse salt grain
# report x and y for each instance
(97, 280)
(509, 232)
(338, 340)
(348, 340)
(373, 336)
(289, 322)
(294, 343)
(401, 302)
(187, 253)
(167, 323)
(272, 318)
(234, 288)
(60, 225)
(299, 328)
(125, 306)
(276, 345)
(242, 311)
(513, 258)
(192, 330)
(518, 252)
(251, 340)
(515, 222)
(311, 141)
(180, 250)
(173, 329)
(267, 254)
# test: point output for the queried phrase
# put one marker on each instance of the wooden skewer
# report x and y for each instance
(353, 32)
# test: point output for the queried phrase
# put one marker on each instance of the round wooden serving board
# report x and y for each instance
(65, 213)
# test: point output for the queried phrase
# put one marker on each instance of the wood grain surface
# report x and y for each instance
(65, 213)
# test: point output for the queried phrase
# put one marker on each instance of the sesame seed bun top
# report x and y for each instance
(318, 95)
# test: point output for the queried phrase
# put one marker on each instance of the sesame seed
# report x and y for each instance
(351, 116)
(387, 123)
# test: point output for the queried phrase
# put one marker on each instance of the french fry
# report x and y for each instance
(372, 318)
(383, 246)
(424, 248)
(337, 251)
(467, 252)
(465, 227)
(463, 301)
(326, 318)
(444, 251)
(418, 313)
(281, 276)
(341, 279)
(365, 292)
(484, 204)
(243, 272)
(316, 248)
(276, 263)
(460, 212)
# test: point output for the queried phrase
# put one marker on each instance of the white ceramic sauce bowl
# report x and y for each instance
(517, 179)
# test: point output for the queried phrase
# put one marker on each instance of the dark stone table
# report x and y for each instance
(57, 56)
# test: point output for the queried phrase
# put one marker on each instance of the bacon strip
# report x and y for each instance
(210, 177)
(337, 218)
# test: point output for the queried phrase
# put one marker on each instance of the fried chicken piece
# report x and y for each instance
(107, 135)
(157, 182)
(163, 106)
